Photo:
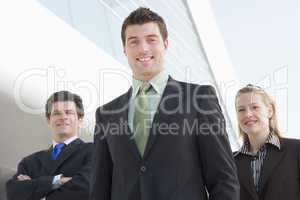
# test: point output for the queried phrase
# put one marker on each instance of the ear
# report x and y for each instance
(166, 43)
(124, 50)
(48, 122)
(80, 122)
(271, 111)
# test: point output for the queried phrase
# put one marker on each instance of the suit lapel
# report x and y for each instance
(168, 103)
(68, 151)
(46, 160)
(245, 175)
(127, 137)
(273, 158)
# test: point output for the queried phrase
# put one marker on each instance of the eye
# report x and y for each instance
(151, 40)
(241, 109)
(133, 42)
(70, 112)
(255, 107)
(55, 113)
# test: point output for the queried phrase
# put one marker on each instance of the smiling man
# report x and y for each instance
(145, 49)
(175, 146)
(62, 171)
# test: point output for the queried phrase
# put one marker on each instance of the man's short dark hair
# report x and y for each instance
(65, 96)
(141, 16)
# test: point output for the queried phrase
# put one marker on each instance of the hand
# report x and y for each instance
(64, 179)
(23, 177)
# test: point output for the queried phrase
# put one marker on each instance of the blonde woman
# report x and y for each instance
(268, 165)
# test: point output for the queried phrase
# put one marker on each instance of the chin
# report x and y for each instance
(248, 130)
(253, 131)
(62, 134)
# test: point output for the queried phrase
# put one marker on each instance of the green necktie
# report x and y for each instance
(141, 118)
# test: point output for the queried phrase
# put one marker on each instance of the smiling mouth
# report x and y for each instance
(250, 122)
(62, 125)
(145, 59)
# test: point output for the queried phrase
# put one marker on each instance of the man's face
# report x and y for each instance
(145, 50)
(63, 120)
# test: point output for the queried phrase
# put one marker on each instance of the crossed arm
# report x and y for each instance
(62, 179)
(23, 185)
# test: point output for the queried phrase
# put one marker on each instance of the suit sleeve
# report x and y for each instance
(102, 164)
(298, 157)
(33, 189)
(219, 168)
(78, 186)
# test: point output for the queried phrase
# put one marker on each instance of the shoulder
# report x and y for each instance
(191, 85)
(115, 103)
(290, 143)
(87, 149)
(87, 146)
(81, 149)
(33, 157)
(195, 88)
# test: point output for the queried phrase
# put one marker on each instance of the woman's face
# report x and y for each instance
(253, 114)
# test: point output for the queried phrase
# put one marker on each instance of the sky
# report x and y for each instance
(262, 39)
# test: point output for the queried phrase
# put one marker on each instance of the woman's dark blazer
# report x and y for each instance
(280, 176)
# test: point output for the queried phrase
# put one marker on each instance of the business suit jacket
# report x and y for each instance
(280, 175)
(74, 161)
(178, 163)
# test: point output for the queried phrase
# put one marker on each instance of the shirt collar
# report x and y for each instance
(158, 82)
(67, 141)
(272, 140)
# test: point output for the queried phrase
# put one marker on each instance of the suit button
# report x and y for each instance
(143, 169)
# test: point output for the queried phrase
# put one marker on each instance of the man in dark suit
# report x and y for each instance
(163, 139)
(62, 171)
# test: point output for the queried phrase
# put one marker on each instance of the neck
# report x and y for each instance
(61, 138)
(146, 77)
(143, 77)
(257, 140)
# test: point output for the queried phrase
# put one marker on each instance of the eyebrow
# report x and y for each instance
(131, 38)
(56, 110)
(69, 110)
(152, 35)
(253, 103)
(147, 36)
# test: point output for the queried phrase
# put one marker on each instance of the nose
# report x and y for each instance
(143, 46)
(63, 115)
(248, 112)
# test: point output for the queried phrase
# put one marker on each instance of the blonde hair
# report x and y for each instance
(273, 122)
